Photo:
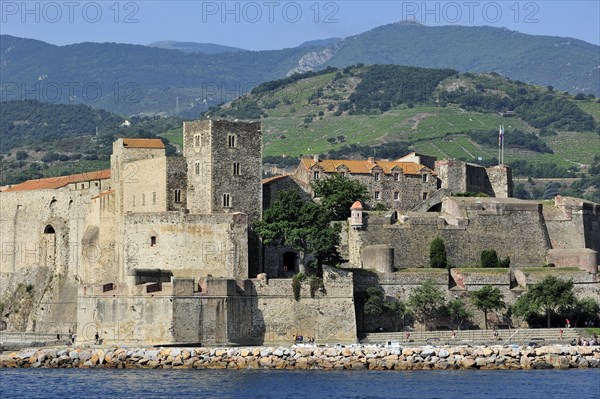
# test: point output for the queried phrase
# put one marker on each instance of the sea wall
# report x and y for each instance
(353, 358)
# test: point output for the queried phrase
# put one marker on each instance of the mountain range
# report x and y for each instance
(187, 78)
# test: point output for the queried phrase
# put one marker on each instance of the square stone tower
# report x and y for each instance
(224, 163)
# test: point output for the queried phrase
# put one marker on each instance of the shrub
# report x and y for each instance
(489, 258)
(316, 283)
(437, 254)
(504, 262)
(297, 284)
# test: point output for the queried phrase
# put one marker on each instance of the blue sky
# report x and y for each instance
(261, 25)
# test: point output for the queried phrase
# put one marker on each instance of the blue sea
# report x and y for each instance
(239, 384)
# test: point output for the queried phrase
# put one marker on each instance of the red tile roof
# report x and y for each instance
(50, 183)
(143, 143)
(356, 205)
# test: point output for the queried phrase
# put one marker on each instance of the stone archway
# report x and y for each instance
(290, 259)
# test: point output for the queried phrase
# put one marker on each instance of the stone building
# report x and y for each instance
(396, 185)
(156, 250)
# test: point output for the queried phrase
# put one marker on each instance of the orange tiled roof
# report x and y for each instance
(356, 205)
(143, 143)
(364, 166)
(50, 183)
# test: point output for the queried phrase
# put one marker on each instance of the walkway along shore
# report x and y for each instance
(352, 357)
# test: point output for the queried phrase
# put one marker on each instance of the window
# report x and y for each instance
(177, 196)
(197, 168)
(236, 168)
(425, 178)
(316, 175)
(377, 195)
(343, 174)
(377, 176)
(133, 201)
(196, 141)
(231, 141)
(226, 200)
(424, 196)
(143, 199)
(396, 195)
(152, 241)
(396, 176)
(153, 198)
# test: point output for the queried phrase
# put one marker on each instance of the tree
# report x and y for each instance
(374, 303)
(583, 312)
(488, 299)
(377, 304)
(458, 312)
(437, 254)
(303, 225)
(489, 258)
(338, 193)
(427, 303)
(545, 297)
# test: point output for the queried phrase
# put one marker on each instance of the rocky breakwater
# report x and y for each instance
(355, 358)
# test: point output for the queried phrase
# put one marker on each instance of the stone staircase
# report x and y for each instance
(475, 337)
(432, 200)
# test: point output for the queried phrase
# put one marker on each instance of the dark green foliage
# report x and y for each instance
(385, 86)
(505, 263)
(427, 303)
(277, 84)
(297, 285)
(522, 167)
(583, 312)
(281, 161)
(488, 299)
(588, 186)
(303, 225)
(458, 312)
(21, 155)
(489, 258)
(374, 303)
(512, 138)
(521, 192)
(338, 193)
(391, 150)
(67, 133)
(545, 298)
(437, 254)
(316, 284)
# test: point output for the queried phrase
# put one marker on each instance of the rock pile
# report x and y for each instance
(354, 357)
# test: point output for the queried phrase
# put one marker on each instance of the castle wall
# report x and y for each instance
(514, 229)
(223, 312)
(40, 234)
(188, 245)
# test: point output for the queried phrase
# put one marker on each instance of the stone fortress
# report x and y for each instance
(160, 250)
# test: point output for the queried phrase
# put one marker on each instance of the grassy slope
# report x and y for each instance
(434, 130)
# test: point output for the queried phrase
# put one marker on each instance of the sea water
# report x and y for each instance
(319, 384)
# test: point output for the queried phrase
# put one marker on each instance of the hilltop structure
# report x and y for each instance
(160, 250)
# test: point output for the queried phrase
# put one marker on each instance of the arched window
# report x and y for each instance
(49, 230)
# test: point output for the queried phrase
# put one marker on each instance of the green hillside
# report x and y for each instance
(453, 116)
(44, 140)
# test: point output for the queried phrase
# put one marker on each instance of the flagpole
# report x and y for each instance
(499, 144)
(502, 144)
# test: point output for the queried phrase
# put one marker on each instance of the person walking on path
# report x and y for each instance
(568, 323)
